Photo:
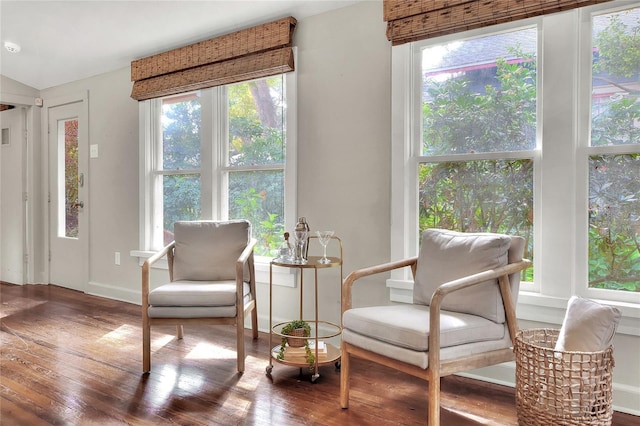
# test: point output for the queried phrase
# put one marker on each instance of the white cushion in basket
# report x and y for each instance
(208, 250)
(448, 255)
(588, 326)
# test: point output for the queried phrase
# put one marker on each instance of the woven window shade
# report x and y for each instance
(256, 52)
(412, 20)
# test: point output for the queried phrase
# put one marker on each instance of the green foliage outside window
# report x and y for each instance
(486, 195)
(255, 142)
(180, 151)
(614, 222)
(256, 138)
(497, 195)
(614, 180)
(71, 177)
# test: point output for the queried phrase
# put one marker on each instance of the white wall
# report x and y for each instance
(344, 128)
(344, 131)
(343, 150)
(12, 87)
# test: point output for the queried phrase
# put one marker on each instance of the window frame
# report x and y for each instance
(407, 134)
(559, 161)
(213, 170)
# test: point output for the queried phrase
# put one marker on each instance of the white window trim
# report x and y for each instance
(147, 119)
(559, 258)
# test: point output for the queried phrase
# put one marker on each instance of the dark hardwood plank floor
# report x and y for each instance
(68, 358)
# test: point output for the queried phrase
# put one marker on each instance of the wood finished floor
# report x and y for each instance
(68, 358)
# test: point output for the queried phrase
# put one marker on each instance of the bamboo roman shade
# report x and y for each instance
(256, 52)
(411, 20)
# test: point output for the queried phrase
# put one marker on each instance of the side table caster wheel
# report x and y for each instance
(338, 365)
(269, 369)
(314, 377)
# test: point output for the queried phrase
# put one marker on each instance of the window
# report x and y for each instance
(614, 152)
(178, 163)
(255, 157)
(68, 137)
(221, 154)
(478, 136)
(494, 130)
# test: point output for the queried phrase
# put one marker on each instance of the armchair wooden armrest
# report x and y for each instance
(245, 257)
(372, 270)
(146, 269)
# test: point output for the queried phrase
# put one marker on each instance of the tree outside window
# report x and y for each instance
(614, 161)
(479, 129)
(479, 110)
(256, 157)
(249, 145)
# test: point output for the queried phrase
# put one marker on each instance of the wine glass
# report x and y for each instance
(324, 237)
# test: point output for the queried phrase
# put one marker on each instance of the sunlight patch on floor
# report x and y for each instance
(190, 383)
(161, 341)
(478, 419)
(204, 350)
(17, 305)
(248, 381)
(167, 377)
(236, 404)
(120, 334)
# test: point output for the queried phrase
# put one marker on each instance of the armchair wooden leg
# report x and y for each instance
(434, 401)
(344, 377)
(240, 343)
(180, 331)
(254, 322)
(146, 348)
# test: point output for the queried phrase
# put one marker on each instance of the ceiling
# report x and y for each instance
(63, 41)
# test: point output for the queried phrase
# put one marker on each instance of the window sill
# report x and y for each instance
(285, 277)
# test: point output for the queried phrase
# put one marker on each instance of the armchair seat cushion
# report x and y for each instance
(421, 358)
(407, 326)
(196, 293)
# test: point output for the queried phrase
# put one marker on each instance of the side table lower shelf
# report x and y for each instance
(333, 357)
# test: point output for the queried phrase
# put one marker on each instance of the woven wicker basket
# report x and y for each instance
(561, 388)
(296, 342)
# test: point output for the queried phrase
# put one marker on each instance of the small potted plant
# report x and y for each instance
(299, 329)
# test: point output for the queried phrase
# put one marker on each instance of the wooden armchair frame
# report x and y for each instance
(245, 258)
(436, 368)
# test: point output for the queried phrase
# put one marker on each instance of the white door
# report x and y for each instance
(12, 199)
(68, 209)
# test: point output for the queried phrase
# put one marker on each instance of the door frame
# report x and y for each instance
(17, 127)
(31, 124)
(82, 98)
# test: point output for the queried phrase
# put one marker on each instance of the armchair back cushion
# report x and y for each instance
(207, 250)
(448, 255)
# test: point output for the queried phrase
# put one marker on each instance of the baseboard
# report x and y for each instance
(626, 398)
(113, 292)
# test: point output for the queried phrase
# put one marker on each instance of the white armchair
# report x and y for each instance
(211, 281)
(462, 317)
